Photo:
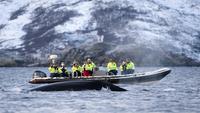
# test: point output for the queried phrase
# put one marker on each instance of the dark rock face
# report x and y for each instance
(97, 52)
(111, 18)
(18, 12)
(40, 31)
(140, 33)
(74, 54)
(2, 26)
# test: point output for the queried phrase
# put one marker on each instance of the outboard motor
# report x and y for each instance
(39, 74)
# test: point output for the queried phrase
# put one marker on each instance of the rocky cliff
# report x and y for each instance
(151, 32)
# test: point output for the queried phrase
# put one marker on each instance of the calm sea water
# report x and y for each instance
(179, 92)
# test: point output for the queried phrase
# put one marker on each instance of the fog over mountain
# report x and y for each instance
(151, 32)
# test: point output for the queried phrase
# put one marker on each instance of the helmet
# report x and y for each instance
(89, 60)
(62, 63)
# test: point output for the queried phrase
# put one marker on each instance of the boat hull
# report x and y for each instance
(79, 85)
(122, 79)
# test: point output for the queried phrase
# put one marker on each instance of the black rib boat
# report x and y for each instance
(124, 79)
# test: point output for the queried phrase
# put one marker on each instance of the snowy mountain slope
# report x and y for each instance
(146, 30)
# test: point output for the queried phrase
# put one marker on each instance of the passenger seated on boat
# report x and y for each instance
(76, 69)
(53, 69)
(88, 68)
(112, 67)
(62, 70)
(127, 67)
(123, 67)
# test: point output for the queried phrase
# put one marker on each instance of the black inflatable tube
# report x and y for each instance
(78, 85)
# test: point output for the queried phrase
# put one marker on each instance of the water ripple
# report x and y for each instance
(178, 92)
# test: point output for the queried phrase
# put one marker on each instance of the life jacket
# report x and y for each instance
(112, 66)
(123, 67)
(89, 67)
(62, 70)
(94, 66)
(75, 68)
(130, 65)
(53, 69)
